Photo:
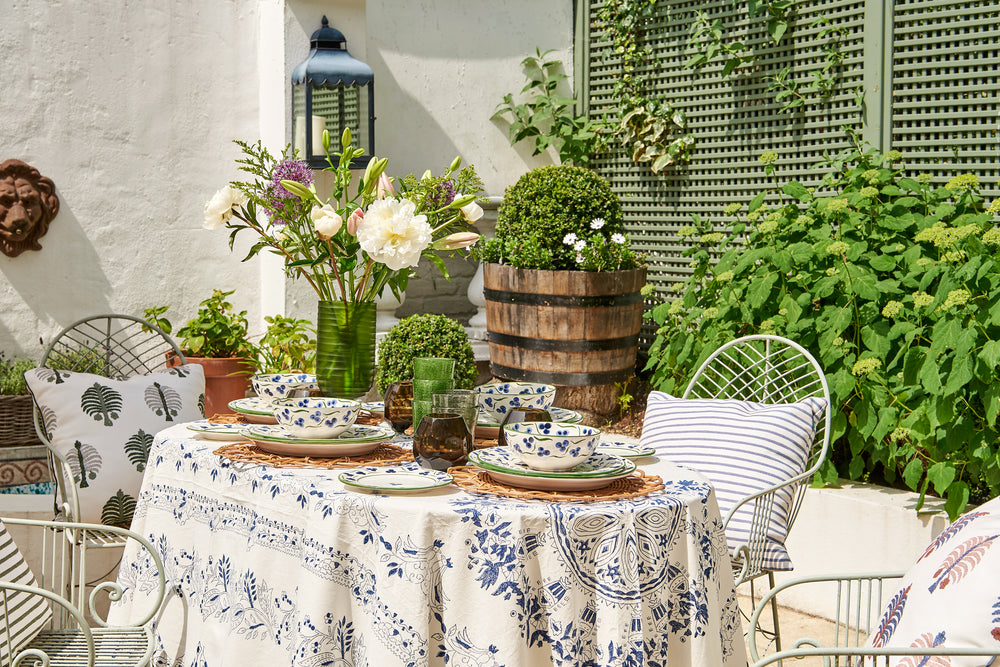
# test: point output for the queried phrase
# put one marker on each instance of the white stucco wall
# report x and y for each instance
(130, 108)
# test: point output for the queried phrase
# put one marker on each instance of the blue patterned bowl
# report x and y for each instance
(496, 400)
(271, 386)
(315, 417)
(552, 445)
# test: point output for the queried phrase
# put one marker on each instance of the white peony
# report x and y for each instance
(326, 221)
(392, 235)
(219, 209)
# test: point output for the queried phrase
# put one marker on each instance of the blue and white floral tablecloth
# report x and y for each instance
(286, 566)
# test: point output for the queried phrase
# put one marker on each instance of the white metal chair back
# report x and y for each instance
(771, 370)
(114, 346)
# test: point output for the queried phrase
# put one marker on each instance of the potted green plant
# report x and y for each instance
(16, 424)
(288, 345)
(425, 335)
(562, 287)
(216, 338)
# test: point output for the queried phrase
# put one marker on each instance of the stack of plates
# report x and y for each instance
(502, 464)
(254, 409)
(358, 439)
(487, 428)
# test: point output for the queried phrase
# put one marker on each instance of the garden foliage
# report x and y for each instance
(425, 335)
(893, 284)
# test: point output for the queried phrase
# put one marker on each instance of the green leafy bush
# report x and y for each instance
(12, 372)
(216, 330)
(288, 344)
(894, 286)
(560, 217)
(425, 335)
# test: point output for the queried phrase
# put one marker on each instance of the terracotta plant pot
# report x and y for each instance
(226, 379)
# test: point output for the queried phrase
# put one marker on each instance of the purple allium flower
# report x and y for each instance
(442, 195)
(287, 170)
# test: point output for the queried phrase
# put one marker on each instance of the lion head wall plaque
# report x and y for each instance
(28, 203)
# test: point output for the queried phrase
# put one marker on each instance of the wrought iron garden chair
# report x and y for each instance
(854, 605)
(77, 633)
(772, 370)
(114, 346)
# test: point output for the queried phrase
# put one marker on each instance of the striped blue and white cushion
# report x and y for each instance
(22, 615)
(741, 447)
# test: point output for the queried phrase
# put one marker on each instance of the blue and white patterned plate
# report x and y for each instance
(209, 431)
(504, 460)
(628, 450)
(396, 479)
(250, 406)
(374, 407)
(557, 414)
(356, 433)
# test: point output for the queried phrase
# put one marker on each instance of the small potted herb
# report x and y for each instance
(288, 345)
(216, 338)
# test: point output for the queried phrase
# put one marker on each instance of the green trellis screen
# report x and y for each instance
(917, 75)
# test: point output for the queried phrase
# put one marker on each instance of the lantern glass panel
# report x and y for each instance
(333, 108)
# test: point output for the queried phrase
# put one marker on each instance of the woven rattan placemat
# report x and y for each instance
(383, 455)
(477, 480)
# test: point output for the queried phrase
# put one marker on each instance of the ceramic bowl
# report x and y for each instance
(272, 386)
(552, 445)
(496, 400)
(315, 417)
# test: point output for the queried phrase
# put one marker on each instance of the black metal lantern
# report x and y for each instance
(328, 89)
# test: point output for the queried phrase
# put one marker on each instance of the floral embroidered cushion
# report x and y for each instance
(104, 429)
(742, 448)
(950, 596)
(22, 615)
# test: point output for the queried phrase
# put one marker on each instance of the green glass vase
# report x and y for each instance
(345, 348)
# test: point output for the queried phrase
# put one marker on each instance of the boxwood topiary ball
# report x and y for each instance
(550, 202)
(425, 335)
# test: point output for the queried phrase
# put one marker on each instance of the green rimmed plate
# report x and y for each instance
(395, 479)
(504, 460)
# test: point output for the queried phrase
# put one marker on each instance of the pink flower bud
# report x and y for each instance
(456, 241)
(354, 221)
(384, 188)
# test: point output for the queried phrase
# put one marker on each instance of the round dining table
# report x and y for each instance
(274, 565)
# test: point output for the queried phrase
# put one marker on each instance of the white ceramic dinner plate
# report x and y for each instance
(255, 410)
(557, 483)
(209, 431)
(395, 479)
(268, 439)
(374, 407)
(504, 460)
(628, 450)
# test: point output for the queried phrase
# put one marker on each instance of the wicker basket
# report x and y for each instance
(17, 427)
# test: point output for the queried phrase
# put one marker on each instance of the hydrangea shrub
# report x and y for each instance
(893, 284)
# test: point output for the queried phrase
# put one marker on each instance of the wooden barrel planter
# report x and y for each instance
(567, 328)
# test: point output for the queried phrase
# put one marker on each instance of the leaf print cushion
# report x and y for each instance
(104, 428)
(950, 596)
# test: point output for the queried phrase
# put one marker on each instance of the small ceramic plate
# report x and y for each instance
(395, 479)
(356, 433)
(374, 407)
(504, 460)
(255, 410)
(628, 450)
(556, 483)
(209, 431)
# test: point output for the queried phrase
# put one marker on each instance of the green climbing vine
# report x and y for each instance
(653, 129)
